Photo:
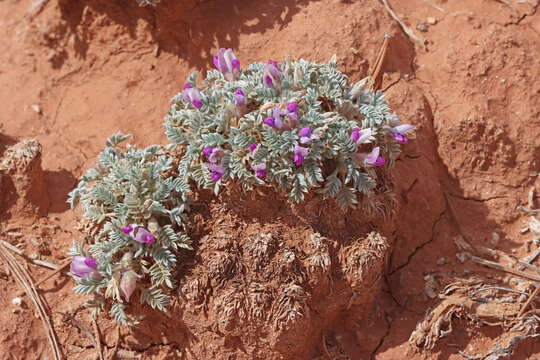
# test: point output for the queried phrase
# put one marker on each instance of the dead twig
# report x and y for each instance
(504, 268)
(33, 261)
(37, 284)
(510, 5)
(434, 6)
(528, 211)
(24, 279)
(380, 61)
(98, 338)
(405, 28)
(115, 348)
(529, 301)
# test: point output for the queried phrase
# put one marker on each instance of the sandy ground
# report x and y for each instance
(72, 73)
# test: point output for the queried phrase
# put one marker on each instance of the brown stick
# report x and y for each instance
(404, 27)
(498, 266)
(529, 300)
(98, 338)
(23, 278)
(62, 267)
(380, 61)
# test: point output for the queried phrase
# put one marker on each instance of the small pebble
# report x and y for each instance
(16, 301)
(36, 109)
(431, 20)
(441, 261)
(422, 27)
(495, 239)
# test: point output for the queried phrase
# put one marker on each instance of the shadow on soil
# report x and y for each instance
(190, 29)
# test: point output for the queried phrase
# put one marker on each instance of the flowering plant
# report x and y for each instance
(296, 126)
(135, 219)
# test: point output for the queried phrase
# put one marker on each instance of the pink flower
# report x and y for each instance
(398, 131)
(260, 170)
(83, 267)
(227, 63)
(138, 233)
(300, 154)
(306, 136)
(360, 136)
(216, 171)
(373, 158)
(252, 147)
(214, 155)
(193, 95)
(271, 74)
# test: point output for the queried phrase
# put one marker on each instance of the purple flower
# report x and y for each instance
(373, 158)
(193, 95)
(83, 267)
(398, 131)
(360, 136)
(292, 109)
(300, 154)
(213, 154)
(306, 136)
(275, 120)
(239, 98)
(271, 74)
(260, 169)
(128, 283)
(216, 171)
(227, 63)
(138, 233)
(252, 147)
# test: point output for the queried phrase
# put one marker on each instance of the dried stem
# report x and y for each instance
(98, 338)
(37, 284)
(24, 279)
(504, 268)
(405, 28)
(380, 61)
(529, 300)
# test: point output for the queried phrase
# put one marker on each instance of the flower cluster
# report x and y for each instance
(297, 126)
(136, 220)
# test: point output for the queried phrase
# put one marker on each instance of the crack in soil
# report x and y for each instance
(476, 199)
(419, 247)
(388, 327)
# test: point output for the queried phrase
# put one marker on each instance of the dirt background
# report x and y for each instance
(72, 73)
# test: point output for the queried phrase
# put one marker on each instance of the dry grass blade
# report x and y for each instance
(98, 338)
(529, 300)
(434, 6)
(19, 252)
(405, 28)
(498, 266)
(26, 282)
(510, 5)
(37, 284)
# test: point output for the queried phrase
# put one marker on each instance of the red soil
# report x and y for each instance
(95, 67)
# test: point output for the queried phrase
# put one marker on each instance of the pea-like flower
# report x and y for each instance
(260, 170)
(214, 155)
(292, 109)
(252, 147)
(128, 283)
(306, 136)
(275, 121)
(239, 98)
(300, 154)
(138, 233)
(360, 136)
(216, 171)
(398, 131)
(373, 158)
(271, 75)
(193, 95)
(227, 63)
(83, 267)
